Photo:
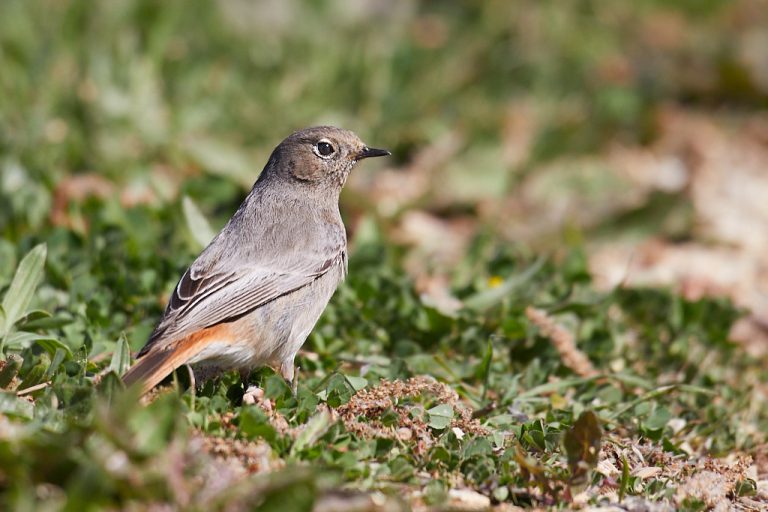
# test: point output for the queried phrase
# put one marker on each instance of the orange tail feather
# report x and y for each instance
(160, 361)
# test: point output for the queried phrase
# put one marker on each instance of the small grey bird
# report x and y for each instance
(255, 293)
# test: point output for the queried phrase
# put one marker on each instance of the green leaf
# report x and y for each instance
(582, 444)
(152, 426)
(11, 405)
(276, 388)
(254, 423)
(658, 420)
(121, 358)
(58, 357)
(25, 281)
(440, 416)
(33, 316)
(35, 375)
(746, 487)
(338, 390)
(435, 492)
(35, 321)
(313, 430)
(357, 383)
(400, 469)
(20, 340)
(53, 345)
(7, 261)
(624, 482)
(196, 222)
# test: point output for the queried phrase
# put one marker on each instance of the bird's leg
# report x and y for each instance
(295, 382)
(192, 382)
(291, 374)
(244, 376)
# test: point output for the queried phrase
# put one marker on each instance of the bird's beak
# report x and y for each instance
(367, 152)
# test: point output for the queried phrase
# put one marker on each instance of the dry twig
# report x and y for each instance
(563, 341)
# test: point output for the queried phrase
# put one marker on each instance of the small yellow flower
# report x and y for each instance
(558, 401)
(495, 281)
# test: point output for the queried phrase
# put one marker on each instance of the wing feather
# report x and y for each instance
(206, 297)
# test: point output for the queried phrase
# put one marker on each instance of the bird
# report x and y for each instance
(255, 293)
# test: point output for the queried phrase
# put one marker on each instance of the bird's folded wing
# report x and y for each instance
(207, 297)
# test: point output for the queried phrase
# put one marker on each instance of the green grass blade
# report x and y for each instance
(487, 299)
(121, 358)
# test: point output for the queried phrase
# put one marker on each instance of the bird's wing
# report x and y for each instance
(210, 294)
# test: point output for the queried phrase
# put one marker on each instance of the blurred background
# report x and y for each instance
(637, 131)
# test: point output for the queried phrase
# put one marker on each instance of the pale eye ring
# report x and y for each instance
(324, 149)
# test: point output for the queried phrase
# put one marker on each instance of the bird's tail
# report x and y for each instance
(162, 359)
(152, 368)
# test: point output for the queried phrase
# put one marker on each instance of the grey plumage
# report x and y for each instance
(254, 294)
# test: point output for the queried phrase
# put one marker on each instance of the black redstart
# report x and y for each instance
(255, 293)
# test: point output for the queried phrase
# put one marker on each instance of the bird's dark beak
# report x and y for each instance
(367, 152)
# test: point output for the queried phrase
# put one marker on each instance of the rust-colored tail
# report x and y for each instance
(153, 368)
(164, 358)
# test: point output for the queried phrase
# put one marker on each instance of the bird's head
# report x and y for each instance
(320, 156)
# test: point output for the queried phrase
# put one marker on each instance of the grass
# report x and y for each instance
(127, 130)
(82, 444)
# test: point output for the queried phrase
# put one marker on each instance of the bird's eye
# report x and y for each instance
(325, 148)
